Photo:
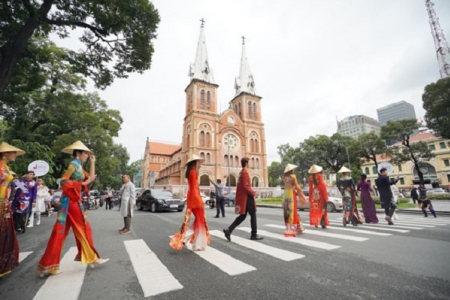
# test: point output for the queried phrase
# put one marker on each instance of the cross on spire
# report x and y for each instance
(243, 40)
(202, 21)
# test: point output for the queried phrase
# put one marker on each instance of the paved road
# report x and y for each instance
(409, 260)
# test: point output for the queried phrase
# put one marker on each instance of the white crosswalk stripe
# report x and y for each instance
(23, 255)
(68, 283)
(153, 276)
(373, 227)
(297, 240)
(257, 246)
(397, 224)
(354, 230)
(327, 234)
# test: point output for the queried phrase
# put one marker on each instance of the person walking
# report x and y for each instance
(395, 194)
(368, 206)
(71, 215)
(245, 203)
(386, 198)
(9, 247)
(292, 189)
(198, 233)
(424, 203)
(414, 195)
(127, 195)
(41, 196)
(109, 195)
(346, 186)
(220, 206)
(24, 201)
(318, 198)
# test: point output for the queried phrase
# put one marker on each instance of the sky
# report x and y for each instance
(313, 62)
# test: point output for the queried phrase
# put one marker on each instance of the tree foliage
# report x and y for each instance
(117, 35)
(401, 131)
(372, 145)
(436, 102)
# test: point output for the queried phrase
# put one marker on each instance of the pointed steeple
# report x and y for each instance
(245, 81)
(201, 69)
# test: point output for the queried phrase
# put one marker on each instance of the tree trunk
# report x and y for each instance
(11, 55)
(416, 165)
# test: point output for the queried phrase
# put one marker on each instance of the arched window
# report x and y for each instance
(252, 146)
(202, 139)
(202, 155)
(208, 100)
(257, 163)
(256, 146)
(239, 110)
(225, 160)
(236, 161)
(250, 110)
(188, 141)
(202, 99)
(208, 158)
(374, 170)
(231, 180)
(366, 170)
(254, 111)
(231, 161)
(253, 163)
(204, 180)
(255, 182)
(208, 140)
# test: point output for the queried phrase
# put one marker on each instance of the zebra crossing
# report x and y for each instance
(155, 278)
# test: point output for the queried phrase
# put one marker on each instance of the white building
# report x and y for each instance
(354, 126)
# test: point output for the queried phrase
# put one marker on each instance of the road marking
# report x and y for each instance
(374, 227)
(310, 243)
(66, 285)
(411, 224)
(327, 234)
(23, 255)
(152, 275)
(223, 261)
(397, 224)
(354, 230)
(423, 220)
(272, 251)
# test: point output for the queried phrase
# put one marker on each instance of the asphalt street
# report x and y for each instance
(409, 260)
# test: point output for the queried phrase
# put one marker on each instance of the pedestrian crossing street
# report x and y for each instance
(154, 278)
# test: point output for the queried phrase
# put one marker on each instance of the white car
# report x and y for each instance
(334, 204)
(204, 198)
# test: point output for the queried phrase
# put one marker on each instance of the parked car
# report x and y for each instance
(205, 198)
(230, 199)
(334, 204)
(158, 199)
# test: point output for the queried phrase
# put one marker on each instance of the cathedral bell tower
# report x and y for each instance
(201, 105)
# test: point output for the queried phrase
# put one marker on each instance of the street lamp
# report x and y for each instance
(348, 157)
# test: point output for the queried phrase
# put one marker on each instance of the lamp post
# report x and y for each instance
(348, 157)
(228, 145)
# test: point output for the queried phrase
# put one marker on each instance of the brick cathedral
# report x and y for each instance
(221, 138)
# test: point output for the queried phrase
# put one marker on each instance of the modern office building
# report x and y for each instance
(396, 111)
(354, 126)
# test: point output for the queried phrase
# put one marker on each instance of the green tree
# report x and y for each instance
(275, 170)
(372, 145)
(436, 102)
(401, 131)
(117, 35)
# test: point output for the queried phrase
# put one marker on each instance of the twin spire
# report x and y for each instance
(201, 70)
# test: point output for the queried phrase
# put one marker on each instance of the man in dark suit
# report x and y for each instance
(386, 198)
(245, 203)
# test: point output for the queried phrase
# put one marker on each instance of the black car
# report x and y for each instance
(157, 200)
(230, 199)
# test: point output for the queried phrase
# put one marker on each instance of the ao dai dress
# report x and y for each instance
(291, 218)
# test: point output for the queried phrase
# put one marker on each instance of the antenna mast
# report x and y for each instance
(442, 49)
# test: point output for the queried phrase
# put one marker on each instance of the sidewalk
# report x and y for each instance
(440, 206)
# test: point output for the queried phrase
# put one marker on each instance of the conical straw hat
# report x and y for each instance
(194, 157)
(5, 147)
(78, 145)
(290, 167)
(344, 170)
(315, 169)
